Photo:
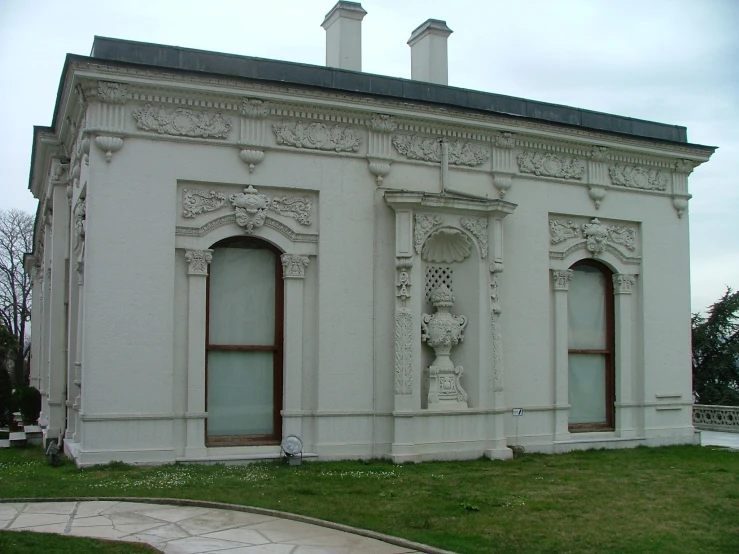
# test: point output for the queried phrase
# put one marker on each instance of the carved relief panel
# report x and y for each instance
(595, 236)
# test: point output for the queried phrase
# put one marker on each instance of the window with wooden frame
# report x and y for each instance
(244, 340)
(591, 382)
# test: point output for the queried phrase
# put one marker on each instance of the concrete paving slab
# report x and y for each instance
(191, 529)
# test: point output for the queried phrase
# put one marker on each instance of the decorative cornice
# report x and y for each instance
(316, 136)
(254, 108)
(429, 150)
(561, 279)
(468, 121)
(383, 123)
(547, 164)
(623, 283)
(478, 226)
(293, 266)
(638, 177)
(198, 260)
(181, 122)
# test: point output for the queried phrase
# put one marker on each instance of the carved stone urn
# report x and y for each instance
(442, 331)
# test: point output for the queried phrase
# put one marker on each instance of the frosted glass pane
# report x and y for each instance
(587, 387)
(586, 304)
(242, 297)
(240, 388)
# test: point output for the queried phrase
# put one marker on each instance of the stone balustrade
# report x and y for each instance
(716, 418)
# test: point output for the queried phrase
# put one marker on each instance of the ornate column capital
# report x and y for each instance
(293, 266)
(561, 279)
(623, 283)
(198, 260)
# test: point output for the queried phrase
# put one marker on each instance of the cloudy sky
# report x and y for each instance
(674, 61)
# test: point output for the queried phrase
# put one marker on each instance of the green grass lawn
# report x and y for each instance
(26, 542)
(671, 499)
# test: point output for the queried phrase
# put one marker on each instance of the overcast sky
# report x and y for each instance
(673, 61)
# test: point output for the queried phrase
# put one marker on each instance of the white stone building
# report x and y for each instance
(230, 250)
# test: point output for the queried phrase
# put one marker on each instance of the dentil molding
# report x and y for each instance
(181, 122)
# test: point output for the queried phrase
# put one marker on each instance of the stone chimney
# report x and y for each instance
(429, 52)
(343, 26)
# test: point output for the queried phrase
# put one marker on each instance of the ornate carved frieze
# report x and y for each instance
(595, 233)
(403, 351)
(638, 177)
(429, 149)
(383, 123)
(297, 207)
(403, 280)
(198, 260)
(112, 93)
(293, 266)
(181, 122)
(254, 108)
(547, 164)
(424, 224)
(561, 279)
(250, 206)
(199, 201)
(317, 136)
(562, 230)
(478, 226)
(623, 283)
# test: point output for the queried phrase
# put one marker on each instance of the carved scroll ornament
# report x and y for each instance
(551, 165)
(638, 177)
(595, 233)
(317, 136)
(429, 150)
(181, 122)
(250, 206)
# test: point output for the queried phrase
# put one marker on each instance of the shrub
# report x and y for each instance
(29, 403)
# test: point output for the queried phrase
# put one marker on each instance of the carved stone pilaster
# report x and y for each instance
(496, 359)
(623, 283)
(403, 351)
(293, 266)
(561, 279)
(198, 260)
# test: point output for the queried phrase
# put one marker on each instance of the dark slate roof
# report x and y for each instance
(214, 63)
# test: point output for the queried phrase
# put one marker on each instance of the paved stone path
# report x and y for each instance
(187, 529)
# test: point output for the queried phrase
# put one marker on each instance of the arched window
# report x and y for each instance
(591, 347)
(244, 339)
